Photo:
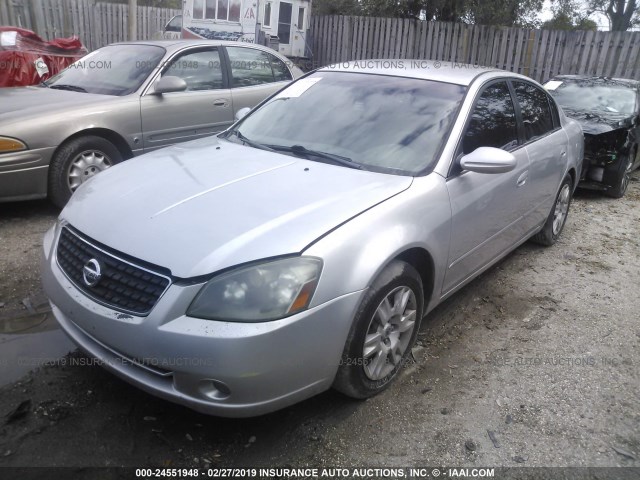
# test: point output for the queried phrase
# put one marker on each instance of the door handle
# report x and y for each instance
(522, 179)
(220, 102)
(563, 154)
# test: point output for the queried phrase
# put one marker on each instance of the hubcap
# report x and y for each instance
(86, 165)
(389, 333)
(560, 211)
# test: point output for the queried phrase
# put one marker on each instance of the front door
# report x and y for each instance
(486, 209)
(204, 108)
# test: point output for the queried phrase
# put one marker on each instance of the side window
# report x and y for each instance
(536, 113)
(200, 70)
(249, 67)
(280, 71)
(493, 121)
(300, 24)
(554, 112)
(175, 25)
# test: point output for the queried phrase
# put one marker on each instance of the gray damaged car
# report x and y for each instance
(300, 249)
(124, 100)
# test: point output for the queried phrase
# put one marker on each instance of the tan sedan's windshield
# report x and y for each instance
(113, 70)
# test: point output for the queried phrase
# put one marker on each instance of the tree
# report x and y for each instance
(484, 12)
(622, 14)
(562, 21)
(569, 15)
(521, 13)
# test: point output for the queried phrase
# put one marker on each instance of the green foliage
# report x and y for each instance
(495, 12)
(336, 7)
(562, 21)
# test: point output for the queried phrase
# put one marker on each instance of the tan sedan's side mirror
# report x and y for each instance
(169, 84)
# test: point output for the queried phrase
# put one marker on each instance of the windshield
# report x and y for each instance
(380, 123)
(589, 95)
(113, 70)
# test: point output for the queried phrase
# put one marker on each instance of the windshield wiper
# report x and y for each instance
(305, 152)
(246, 141)
(72, 88)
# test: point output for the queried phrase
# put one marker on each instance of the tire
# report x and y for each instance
(622, 178)
(76, 161)
(552, 228)
(363, 375)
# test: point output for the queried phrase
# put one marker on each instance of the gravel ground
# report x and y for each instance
(535, 363)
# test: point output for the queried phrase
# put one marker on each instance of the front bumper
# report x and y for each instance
(220, 368)
(24, 175)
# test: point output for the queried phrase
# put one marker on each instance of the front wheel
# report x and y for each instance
(75, 162)
(621, 181)
(383, 332)
(552, 228)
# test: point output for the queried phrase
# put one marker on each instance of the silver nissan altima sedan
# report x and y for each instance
(300, 249)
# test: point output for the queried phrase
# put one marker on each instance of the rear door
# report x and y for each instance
(204, 108)
(546, 143)
(486, 209)
(254, 75)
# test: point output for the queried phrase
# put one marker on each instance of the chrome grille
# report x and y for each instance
(128, 286)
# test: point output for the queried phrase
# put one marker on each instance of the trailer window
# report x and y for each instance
(301, 18)
(211, 9)
(234, 11)
(198, 8)
(267, 14)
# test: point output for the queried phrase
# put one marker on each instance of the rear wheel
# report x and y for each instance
(383, 332)
(75, 162)
(552, 228)
(622, 178)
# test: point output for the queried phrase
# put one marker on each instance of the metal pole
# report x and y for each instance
(133, 20)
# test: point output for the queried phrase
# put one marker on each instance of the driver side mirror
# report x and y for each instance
(488, 160)
(240, 114)
(169, 84)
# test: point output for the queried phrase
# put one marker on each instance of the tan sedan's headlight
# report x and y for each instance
(259, 293)
(8, 144)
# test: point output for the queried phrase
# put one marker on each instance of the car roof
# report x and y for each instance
(601, 79)
(450, 72)
(177, 44)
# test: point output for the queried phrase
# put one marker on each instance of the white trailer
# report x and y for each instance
(281, 24)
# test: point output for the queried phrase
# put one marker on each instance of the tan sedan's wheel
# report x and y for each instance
(86, 165)
(383, 332)
(75, 162)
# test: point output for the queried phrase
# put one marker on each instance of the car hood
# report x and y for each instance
(202, 206)
(597, 122)
(19, 103)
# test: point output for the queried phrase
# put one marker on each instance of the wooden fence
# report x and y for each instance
(539, 54)
(96, 23)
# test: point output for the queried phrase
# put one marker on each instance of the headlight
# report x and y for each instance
(8, 144)
(259, 293)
